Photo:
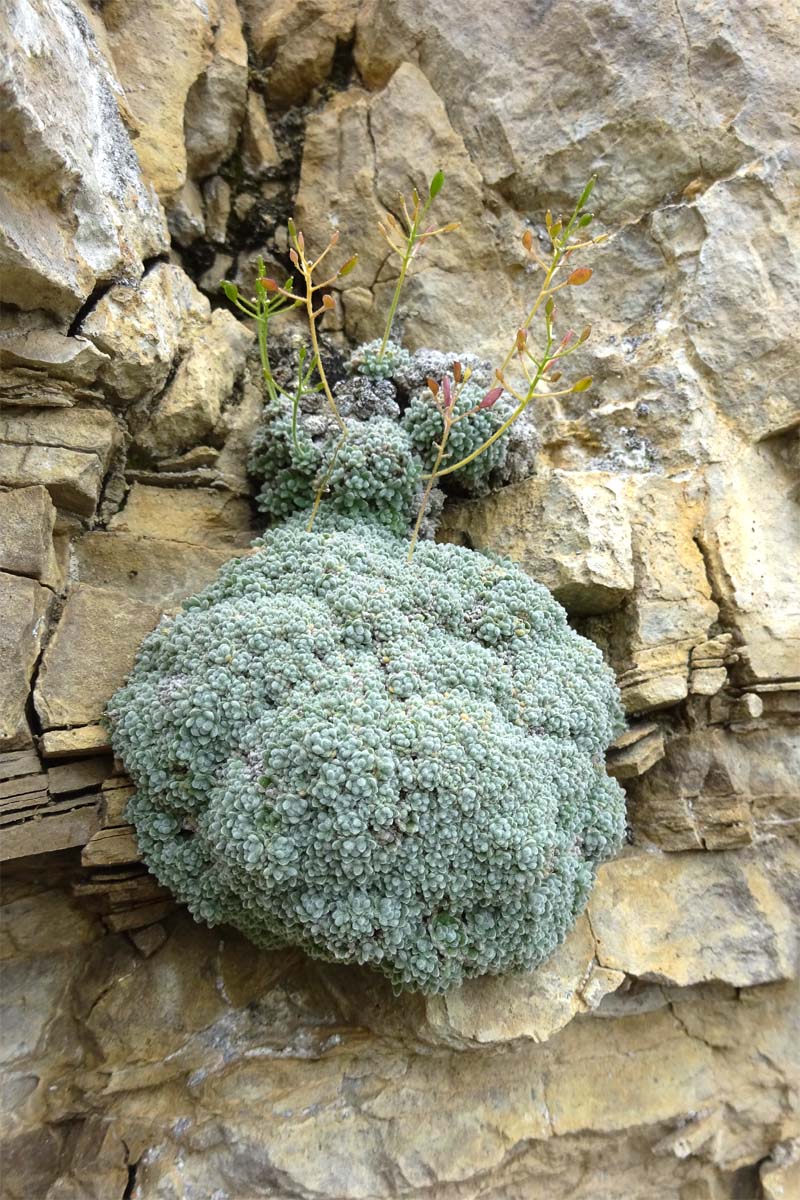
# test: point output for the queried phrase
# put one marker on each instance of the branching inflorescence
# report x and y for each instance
(528, 366)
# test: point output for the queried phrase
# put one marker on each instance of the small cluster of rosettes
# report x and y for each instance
(393, 427)
(374, 475)
(390, 763)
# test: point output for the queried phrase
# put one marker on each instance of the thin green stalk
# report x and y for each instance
(427, 493)
(326, 479)
(398, 289)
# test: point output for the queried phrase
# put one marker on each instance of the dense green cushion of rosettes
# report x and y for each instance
(381, 762)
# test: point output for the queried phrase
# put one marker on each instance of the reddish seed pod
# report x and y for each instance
(491, 398)
(457, 372)
(522, 340)
(527, 239)
(433, 385)
(269, 285)
(579, 275)
(294, 258)
(335, 238)
(328, 302)
(448, 394)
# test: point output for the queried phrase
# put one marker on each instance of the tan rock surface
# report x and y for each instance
(258, 144)
(715, 789)
(160, 49)
(144, 328)
(216, 100)
(64, 137)
(569, 530)
(202, 516)
(355, 166)
(686, 918)
(150, 571)
(27, 517)
(72, 358)
(297, 41)
(66, 450)
(531, 1006)
(91, 652)
(671, 609)
(191, 405)
(23, 609)
(682, 1095)
(756, 562)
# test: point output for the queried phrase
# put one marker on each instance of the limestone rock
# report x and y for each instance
(635, 751)
(150, 571)
(186, 220)
(75, 211)
(89, 655)
(531, 1006)
(73, 478)
(160, 48)
(259, 152)
(726, 323)
(755, 561)
(216, 101)
(144, 328)
(190, 408)
(248, 1043)
(707, 681)
(74, 743)
(66, 450)
(71, 358)
(23, 611)
(780, 1174)
(716, 789)
(27, 517)
(297, 41)
(355, 166)
(569, 530)
(673, 91)
(670, 918)
(650, 640)
(217, 197)
(202, 516)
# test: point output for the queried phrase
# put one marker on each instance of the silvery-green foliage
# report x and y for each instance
(375, 473)
(423, 423)
(368, 361)
(383, 763)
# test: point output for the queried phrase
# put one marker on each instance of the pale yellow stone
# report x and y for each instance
(202, 516)
(530, 1006)
(151, 571)
(71, 743)
(570, 530)
(689, 918)
(23, 619)
(90, 654)
(258, 144)
(160, 48)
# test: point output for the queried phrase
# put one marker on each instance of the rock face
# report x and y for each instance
(655, 1053)
(64, 137)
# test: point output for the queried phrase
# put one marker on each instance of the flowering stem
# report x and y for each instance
(427, 493)
(396, 297)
